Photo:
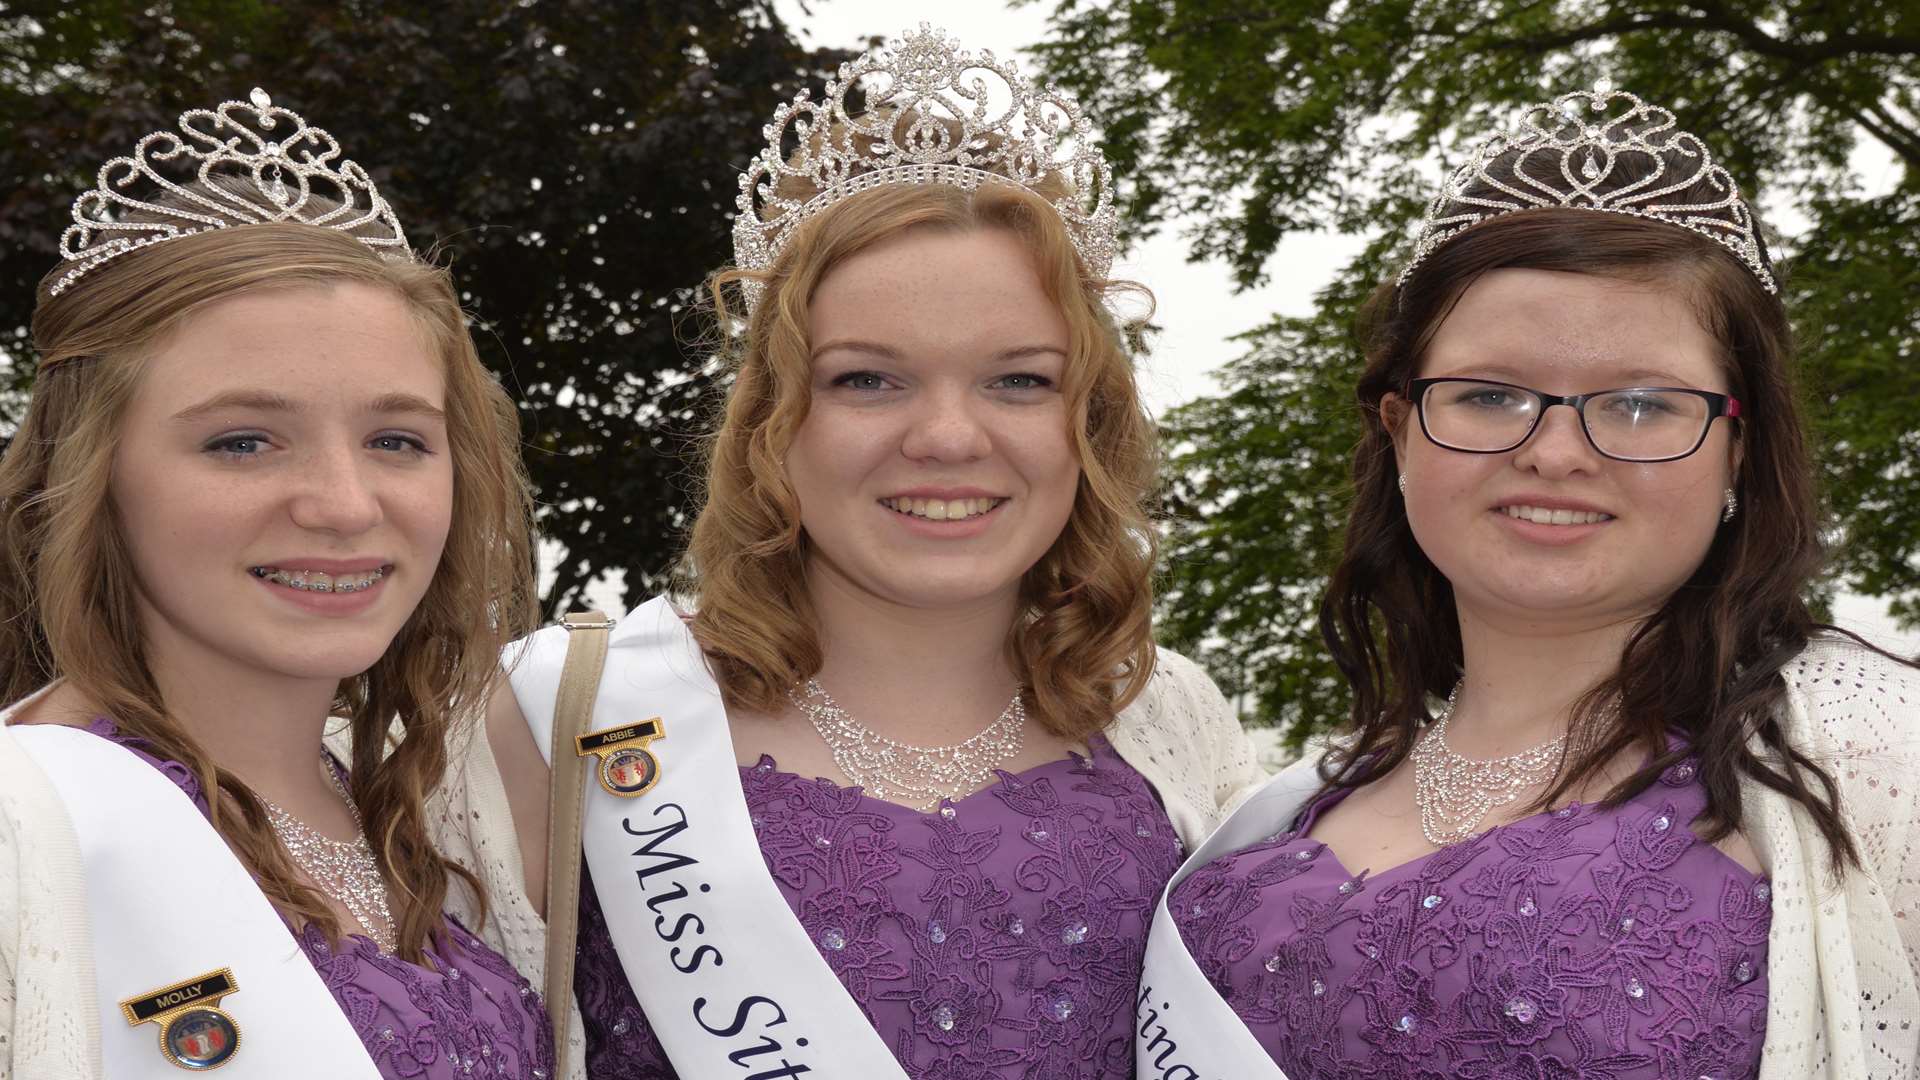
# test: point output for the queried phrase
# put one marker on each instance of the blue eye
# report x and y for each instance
(239, 445)
(399, 444)
(1025, 380)
(862, 380)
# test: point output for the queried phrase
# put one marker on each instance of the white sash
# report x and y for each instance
(1184, 1031)
(727, 976)
(167, 901)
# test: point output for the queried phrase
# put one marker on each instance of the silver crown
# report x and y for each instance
(934, 114)
(1567, 155)
(280, 165)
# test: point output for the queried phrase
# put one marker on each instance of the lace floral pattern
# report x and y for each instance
(1583, 943)
(1000, 937)
(469, 1015)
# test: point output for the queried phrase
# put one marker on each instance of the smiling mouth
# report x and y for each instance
(315, 581)
(1540, 515)
(942, 509)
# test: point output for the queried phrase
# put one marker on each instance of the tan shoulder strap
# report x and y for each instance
(572, 715)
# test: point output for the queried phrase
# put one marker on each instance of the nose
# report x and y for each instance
(1558, 447)
(947, 425)
(334, 490)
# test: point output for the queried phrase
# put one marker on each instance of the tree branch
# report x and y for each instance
(1801, 52)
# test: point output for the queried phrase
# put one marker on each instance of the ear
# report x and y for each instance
(1396, 415)
(1736, 454)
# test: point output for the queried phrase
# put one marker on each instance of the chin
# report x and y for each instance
(340, 662)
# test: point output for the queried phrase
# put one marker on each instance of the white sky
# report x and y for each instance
(1198, 310)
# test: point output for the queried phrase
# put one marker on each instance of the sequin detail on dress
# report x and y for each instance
(470, 1016)
(1001, 940)
(1582, 943)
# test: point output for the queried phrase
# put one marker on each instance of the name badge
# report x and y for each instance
(195, 1033)
(627, 768)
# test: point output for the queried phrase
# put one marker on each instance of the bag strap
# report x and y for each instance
(572, 715)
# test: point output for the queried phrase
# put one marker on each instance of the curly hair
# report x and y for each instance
(70, 589)
(1083, 642)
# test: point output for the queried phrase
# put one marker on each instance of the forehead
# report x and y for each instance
(1569, 332)
(320, 340)
(935, 291)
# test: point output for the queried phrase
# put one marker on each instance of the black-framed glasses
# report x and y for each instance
(1635, 423)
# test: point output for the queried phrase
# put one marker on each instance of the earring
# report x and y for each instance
(1733, 507)
(1403, 485)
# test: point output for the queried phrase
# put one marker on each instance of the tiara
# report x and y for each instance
(933, 114)
(1577, 151)
(278, 164)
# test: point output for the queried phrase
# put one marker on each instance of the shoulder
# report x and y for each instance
(40, 869)
(1182, 731)
(1853, 699)
(1179, 701)
(1178, 680)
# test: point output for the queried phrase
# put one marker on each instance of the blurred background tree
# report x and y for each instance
(576, 160)
(573, 159)
(1250, 120)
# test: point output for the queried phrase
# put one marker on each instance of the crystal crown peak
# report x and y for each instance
(933, 113)
(1603, 150)
(254, 162)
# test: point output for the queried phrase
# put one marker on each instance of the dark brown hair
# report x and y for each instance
(1708, 662)
(68, 586)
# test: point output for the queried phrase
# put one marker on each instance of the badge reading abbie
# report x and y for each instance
(627, 768)
(195, 1034)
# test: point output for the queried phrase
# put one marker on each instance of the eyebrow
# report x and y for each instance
(1504, 373)
(874, 348)
(406, 403)
(269, 401)
(260, 400)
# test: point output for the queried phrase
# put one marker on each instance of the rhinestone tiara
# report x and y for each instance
(1582, 151)
(278, 169)
(933, 114)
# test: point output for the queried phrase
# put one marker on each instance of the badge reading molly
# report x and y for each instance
(195, 1033)
(627, 768)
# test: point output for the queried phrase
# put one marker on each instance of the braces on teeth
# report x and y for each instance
(314, 581)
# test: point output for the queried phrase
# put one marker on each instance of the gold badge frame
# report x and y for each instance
(616, 744)
(176, 1001)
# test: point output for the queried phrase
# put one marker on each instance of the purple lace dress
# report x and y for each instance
(472, 1015)
(1582, 943)
(1000, 937)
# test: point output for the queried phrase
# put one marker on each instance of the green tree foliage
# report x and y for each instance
(1254, 119)
(574, 159)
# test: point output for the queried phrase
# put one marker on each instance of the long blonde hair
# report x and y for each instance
(1083, 644)
(69, 587)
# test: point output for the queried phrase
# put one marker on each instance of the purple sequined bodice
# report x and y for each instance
(1000, 937)
(469, 1016)
(1581, 943)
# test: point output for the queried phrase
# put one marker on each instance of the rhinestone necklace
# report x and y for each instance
(345, 870)
(1455, 793)
(916, 776)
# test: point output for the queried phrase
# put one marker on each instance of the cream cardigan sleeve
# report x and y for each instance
(1183, 736)
(1843, 998)
(49, 1023)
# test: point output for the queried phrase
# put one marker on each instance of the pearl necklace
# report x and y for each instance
(916, 776)
(1455, 793)
(343, 869)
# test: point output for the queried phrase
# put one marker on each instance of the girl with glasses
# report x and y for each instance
(1611, 802)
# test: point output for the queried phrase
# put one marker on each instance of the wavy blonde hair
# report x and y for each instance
(70, 591)
(1083, 642)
